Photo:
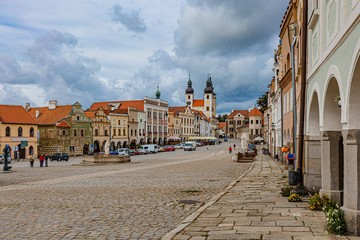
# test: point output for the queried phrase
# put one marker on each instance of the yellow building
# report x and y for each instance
(18, 130)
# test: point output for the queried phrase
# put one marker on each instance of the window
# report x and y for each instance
(82, 132)
(96, 132)
(124, 132)
(207, 96)
(8, 132)
(135, 132)
(149, 114)
(119, 131)
(119, 122)
(133, 120)
(106, 132)
(131, 132)
(75, 134)
(252, 121)
(114, 132)
(20, 132)
(77, 118)
(31, 132)
(257, 121)
(207, 108)
(188, 97)
(63, 132)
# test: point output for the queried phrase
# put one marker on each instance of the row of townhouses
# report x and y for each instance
(71, 129)
(314, 100)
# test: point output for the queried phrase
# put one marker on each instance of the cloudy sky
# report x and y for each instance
(105, 50)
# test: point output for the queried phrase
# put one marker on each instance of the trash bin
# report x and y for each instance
(293, 177)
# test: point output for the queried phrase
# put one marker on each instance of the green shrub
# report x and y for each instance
(315, 202)
(294, 198)
(285, 191)
(335, 221)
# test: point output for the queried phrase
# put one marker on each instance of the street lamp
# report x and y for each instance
(6, 154)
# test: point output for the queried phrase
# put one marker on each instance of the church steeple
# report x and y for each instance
(189, 88)
(157, 94)
(209, 86)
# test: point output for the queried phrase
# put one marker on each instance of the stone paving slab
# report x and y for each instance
(253, 208)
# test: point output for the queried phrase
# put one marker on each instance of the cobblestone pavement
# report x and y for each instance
(253, 208)
(144, 199)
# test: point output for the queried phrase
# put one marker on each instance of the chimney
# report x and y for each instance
(37, 113)
(52, 104)
(27, 106)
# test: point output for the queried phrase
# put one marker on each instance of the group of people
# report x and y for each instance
(42, 158)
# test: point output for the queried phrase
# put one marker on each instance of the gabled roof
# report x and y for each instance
(222, 125)
(198, 103)
(138, 104)
(255, 112)
(236, 112)
(90, 114)
(50, 116)
(177, 109)
(15, 114)
(63, 124)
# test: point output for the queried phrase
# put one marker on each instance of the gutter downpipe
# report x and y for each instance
(302, 90)
(294, 92)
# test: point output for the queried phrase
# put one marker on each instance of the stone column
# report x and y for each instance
(330, 164)
(312, 162)
(351, 204)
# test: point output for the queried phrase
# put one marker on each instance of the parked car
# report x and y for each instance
(199, 143)
(190, 146)
(179, 146)
(152, 148)
(121, 151)
(143, 151)
(134, 152)
(169, 148)
(2, 159)
(59, 157)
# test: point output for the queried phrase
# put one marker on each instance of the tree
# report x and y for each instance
(262, 102)
(222, 118)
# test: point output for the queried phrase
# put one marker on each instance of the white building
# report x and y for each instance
(332, 131)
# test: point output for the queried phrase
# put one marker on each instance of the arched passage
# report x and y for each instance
(118, 145)
(312, 144)
(332, 147)
(96, 147)
(133, 144)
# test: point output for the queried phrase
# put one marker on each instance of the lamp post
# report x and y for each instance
(6, 154)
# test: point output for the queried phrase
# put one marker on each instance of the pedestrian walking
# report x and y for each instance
(41, 159)
(31, 160)
(230, 149)
(46, 160)
(234, 146)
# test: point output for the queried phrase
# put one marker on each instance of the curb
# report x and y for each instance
(189, 219)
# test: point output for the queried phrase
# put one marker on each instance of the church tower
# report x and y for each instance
(209, 99)
(189, 94)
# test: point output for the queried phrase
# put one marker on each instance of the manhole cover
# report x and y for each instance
(188, 201)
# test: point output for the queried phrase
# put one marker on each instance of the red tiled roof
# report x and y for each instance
(222, 125)
(90, 114)
(15, 114)
(198, 103)
(50, 116)
(236, 112)
(177, 109)
(255, 112)
(63, 124)
(138, 104)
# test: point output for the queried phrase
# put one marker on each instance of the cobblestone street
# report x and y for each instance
(143, 199)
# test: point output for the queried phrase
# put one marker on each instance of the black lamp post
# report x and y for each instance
(6, 154)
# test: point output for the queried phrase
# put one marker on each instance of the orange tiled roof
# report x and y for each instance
(63, 124)
(255, 112)
(90, 114)
(222, 125)
(177, 109)
(236, 112)
(198, 103)
(15, 114)
(50, 116)
(138, 104)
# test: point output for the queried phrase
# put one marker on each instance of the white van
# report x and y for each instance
(151, 148)
(190, 146)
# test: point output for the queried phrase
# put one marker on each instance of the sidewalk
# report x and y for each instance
(253, 208)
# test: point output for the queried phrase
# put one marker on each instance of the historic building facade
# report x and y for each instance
(18, 130)
(333, 103)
